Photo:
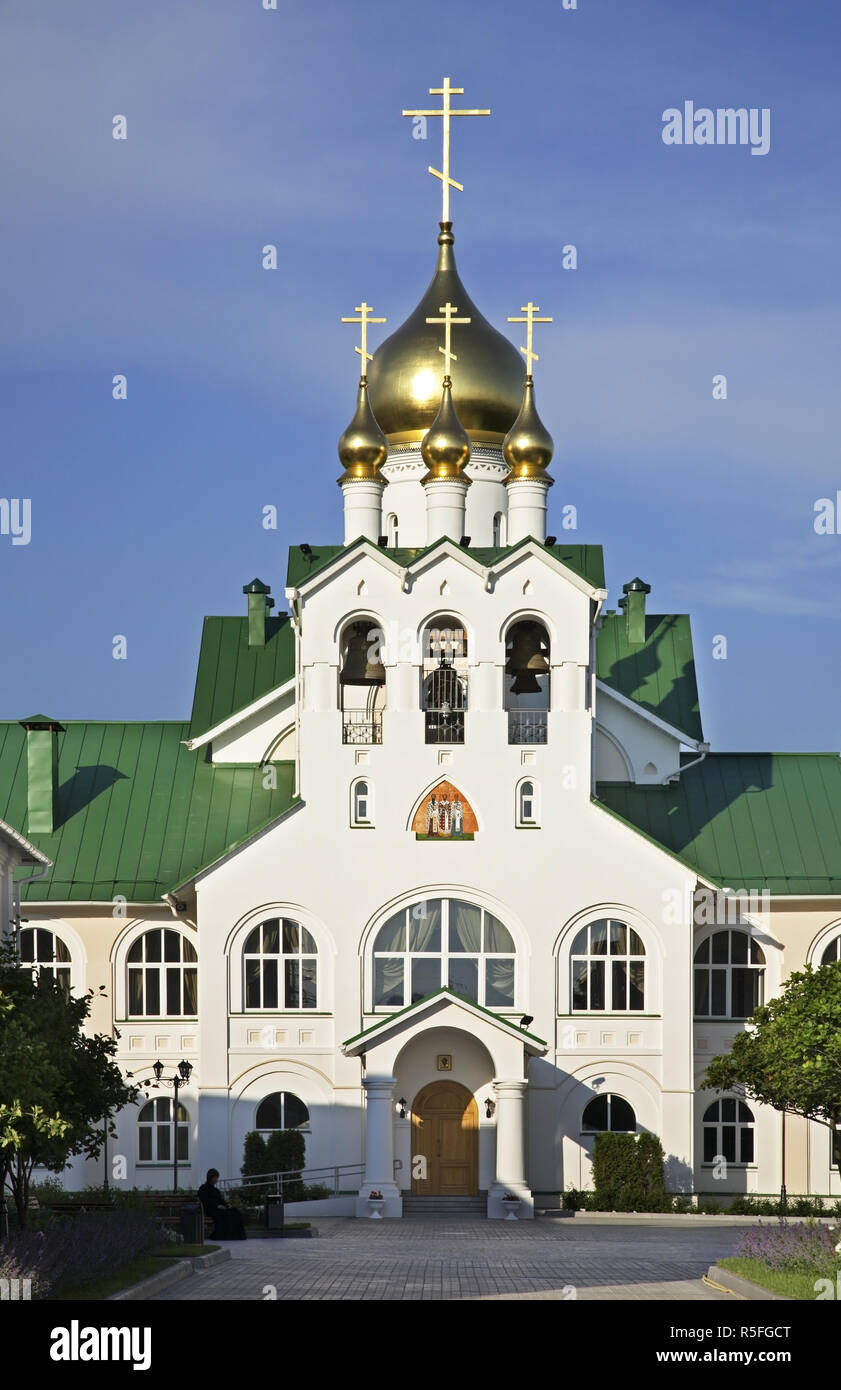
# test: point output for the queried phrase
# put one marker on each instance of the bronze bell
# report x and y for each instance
(527, 660)
(357, 666)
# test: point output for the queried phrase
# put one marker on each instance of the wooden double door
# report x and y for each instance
(445, 1131)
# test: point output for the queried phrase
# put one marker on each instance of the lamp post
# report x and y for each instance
(176, 1082)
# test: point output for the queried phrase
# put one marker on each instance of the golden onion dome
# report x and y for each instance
(363, 446)
(405, 374)
(528, 446)
(446, 447)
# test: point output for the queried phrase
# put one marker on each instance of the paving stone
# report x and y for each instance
(422, 1259)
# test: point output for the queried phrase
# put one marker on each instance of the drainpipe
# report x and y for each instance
(17, 884)
(598, 618)
(673, 776)
(294, 600)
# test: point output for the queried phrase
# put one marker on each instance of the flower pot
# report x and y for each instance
(375, 1208)
(510, 1209)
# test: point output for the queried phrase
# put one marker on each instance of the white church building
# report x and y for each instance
(439, 869)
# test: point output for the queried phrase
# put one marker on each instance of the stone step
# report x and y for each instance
(449, 1207)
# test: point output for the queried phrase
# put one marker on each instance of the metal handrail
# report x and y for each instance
(264, 1181)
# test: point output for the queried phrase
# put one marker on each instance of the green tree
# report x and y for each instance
(790, 1058)
(58, 1086)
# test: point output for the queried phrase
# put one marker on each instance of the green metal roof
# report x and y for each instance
(659, 675)
(587, 561)
(746, 820)
(231, 675)
(138, 812)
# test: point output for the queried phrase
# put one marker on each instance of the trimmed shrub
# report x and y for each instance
(283, 1152)
(628, 1173)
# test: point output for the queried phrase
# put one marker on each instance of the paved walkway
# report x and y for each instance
(419, 1260)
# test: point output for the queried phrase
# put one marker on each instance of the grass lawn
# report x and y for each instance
(794, 1283)
(131, 1273)
(134, 1271)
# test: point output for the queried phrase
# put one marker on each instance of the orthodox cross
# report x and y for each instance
(446, 112)
(364, 312)
(448, 310)
(530, 312)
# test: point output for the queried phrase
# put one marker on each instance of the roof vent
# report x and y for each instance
(259, 604)
(42, 773)
(634, 605)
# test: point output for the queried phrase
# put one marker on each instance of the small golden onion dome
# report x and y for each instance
(405, 374)
(528, 445)
(445, 448)
(363, 446)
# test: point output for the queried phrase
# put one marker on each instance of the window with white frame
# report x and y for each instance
(362, 802)
(443, 942)
(281, 966)
(281, 1110)
(728, 1132)
(608, 1112)
(154, 1131)
(391, 529)
(835, 1146)
(832, 952)
(162, 975)
(46, 955)
(729, 975)
(607, 965)
(527, 812)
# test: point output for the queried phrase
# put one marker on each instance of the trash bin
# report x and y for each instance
(191, 1223)
(274, 1213)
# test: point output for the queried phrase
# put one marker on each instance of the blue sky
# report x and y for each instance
(248, 126)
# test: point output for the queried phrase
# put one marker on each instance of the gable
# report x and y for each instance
(765, 821)
(138, 813)
(231, 675)
(659, 674)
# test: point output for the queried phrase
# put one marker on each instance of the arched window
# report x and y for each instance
(527, 810)
(832, 952)
(154, 1129)
(729, 976)
(608, 1112)
(46, 955)
(162, 976)
(445, 679)
(728, 1131)
(281, 966)
(362, 681)
(391, 529)
(281, 1110)
(362, 803)
(499, 529)
(526, 684)
(443, 942)
(607, 961)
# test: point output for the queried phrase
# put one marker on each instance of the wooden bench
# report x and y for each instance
(165, 1208)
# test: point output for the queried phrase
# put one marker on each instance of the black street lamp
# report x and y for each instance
(176, 1082)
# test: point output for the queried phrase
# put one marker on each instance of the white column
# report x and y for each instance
(363, 498)
(527, 509)
(510, 1149)
(445, 502)
(379, 1146)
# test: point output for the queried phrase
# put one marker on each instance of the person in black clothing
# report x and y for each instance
(227, 1223)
